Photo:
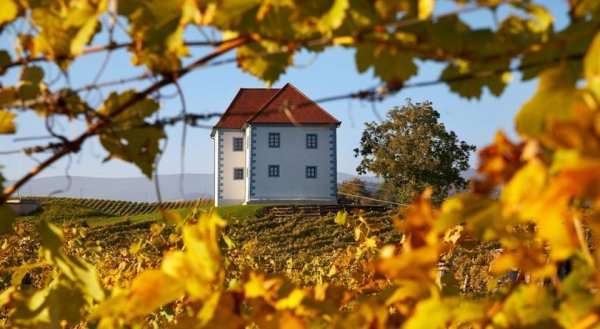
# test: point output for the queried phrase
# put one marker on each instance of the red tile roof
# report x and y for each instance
(246, 102)
(287, 105)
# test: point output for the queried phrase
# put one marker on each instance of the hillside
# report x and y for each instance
(277, 243)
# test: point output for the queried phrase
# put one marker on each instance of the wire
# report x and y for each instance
(373, 199)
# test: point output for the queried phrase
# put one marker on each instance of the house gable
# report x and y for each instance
(246, 103)
(290, 106)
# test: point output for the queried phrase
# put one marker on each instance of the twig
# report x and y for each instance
(75, 145)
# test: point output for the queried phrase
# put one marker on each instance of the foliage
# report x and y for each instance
(411, 151)
(353, 189)
(534, 197)
(107, 207)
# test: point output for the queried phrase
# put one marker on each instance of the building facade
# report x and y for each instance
(275, 146)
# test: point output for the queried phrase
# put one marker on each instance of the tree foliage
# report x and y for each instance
(411, 150)
(547, 180)
(353, 189)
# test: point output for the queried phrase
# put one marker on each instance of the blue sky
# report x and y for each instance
(207, 90)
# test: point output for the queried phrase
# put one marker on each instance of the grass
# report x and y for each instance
(65, 211)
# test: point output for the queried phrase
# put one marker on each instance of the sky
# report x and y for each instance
(329, 73)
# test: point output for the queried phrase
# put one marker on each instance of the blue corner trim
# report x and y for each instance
(252, 161)
(333, 162)
(220, 166)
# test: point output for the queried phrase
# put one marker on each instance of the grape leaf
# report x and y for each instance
(425, 8)
(591, 66)
(553, 99)
(84, 36)
(388, 64)
(139, 146)
(29, 86)
(79, 272)
(65, 29)
(130, 138)
(527, 306)
(156, 31)
(8, 11)
(7, 124)
(264, 60)
(341, 218)
(492, 75)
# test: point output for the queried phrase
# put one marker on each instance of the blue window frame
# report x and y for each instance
(273, 170)
(238, 144)
(311, 171)
(238, 173)
(311, 141)
(274, 140)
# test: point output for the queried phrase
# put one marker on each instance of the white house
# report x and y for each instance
(275, 146)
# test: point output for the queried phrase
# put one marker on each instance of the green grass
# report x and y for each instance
(240, 212)
(65, 211)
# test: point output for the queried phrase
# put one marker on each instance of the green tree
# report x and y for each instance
(412, 150)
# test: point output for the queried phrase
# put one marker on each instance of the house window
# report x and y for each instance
(273, 170)
(238, 144)
(311, 141)
(274, 140)
(238, 173)
(311, 171)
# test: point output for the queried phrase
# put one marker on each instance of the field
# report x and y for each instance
(121, 246)
(309, 246)
(301, 245)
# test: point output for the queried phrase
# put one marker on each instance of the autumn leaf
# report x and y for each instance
(591, 65)
(340, 218)
(130, 138)
(264, 60)
(8, 11)
(150, 290)
(552, 100)
(7, 124)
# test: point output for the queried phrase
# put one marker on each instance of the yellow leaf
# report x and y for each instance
(255, 286)
(425, 8)
(334, 17)
(152, 289)
(332, 271)
(357, 233)
(8, 11)
(553, 99)
(83, 36)
(292, 301)
(525, 188)
(591, 65)
(172, 217)
(340, 217)
(370, 243)
(230, 244)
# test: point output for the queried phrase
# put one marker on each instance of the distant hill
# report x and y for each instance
(195, 186)
(133, 189)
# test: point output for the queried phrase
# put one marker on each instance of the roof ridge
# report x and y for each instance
(235, 98)
(257, 88)
(313, 102)
(262, 108)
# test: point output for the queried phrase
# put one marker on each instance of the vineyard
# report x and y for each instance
(302, 242)
(516, 247)
(123, 208)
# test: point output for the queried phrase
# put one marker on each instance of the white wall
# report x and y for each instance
(231, 191)
(216, 194)
(292, 157)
